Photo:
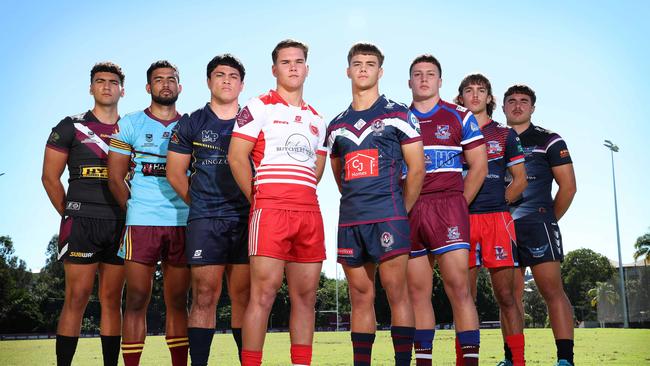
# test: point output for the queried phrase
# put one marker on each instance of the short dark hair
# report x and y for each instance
(161, 64)
(520, 89)
(476, 79)
(227, 60)
(362, 48)
(426, 58)
(288, 43)
(107, 66)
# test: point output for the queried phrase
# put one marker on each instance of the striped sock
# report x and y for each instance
(301, 354)
(178, 349)
(251, 358)
(402, 343)
(469, 342)
(362, 347)
(131, 352)
(516, 343)
(423, 345)
(459, 353)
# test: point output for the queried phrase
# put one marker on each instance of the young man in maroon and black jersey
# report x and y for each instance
(92, 221)
(492, 230)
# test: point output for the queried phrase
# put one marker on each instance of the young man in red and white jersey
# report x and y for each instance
(284, 137)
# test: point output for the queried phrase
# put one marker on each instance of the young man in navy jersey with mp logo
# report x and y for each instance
(217, 232)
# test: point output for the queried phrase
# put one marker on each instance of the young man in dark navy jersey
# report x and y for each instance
(492, 230)
(217, 232)
(536, 215)
(92, 220)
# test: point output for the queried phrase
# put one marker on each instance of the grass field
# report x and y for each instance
(593, 347)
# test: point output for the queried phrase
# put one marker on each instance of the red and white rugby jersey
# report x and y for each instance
(287, 139)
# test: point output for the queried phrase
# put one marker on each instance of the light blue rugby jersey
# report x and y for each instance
(153, 201)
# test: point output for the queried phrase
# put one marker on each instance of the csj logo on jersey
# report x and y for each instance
(209, 136)
(443, 132)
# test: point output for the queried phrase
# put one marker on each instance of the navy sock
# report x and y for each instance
(236, 334)
(111, 349)
(200, 340)
(564, 349)
(362, 347)
(506, 352)
(403, 344)
(65, 349)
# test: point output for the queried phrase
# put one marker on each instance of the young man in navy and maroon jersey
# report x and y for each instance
(440, 219)
(284, 136)
(492, 231)
(370, 142)
(92, 220)
(217, 232)
(536, 214)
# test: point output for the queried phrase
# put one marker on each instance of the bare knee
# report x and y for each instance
(458, 291)
(137, 301)
(204, 295)
(77, 297)
(362, 296)
(505, 297)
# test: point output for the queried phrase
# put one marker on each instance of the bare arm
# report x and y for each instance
(335, 162)
(238, 159)
(320, 166)
(53, 166)
(177, 165)
(518, 184)
(566, 181)
(118, 167)
(414, 158)
(477, 160)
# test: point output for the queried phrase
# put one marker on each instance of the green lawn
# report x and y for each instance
(593, 347)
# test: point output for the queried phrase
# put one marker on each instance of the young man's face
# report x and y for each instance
(164, 87)
(225, 84)
(425, 81)
(475, 97)
(106, 88)
(518, 109)
(290, 68)
(364, 71)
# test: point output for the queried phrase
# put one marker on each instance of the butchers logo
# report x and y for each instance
(298, 148)
(362, 164)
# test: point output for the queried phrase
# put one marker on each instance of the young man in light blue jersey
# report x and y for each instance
(155, 216)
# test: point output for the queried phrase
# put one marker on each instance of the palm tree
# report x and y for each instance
(642, 248)
(603, 291)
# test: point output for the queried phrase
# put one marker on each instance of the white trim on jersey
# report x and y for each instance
(465, 142)
(398, 123)
(557, 139)
(443, 147)
(287, 181)
(443, 170)
(92, 136)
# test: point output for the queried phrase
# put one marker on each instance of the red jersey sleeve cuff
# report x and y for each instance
(245, 137)
(473, 144)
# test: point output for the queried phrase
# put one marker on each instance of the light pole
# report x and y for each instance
(614, 148)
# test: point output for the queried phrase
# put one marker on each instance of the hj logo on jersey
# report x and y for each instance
(500, 254)
(377, 127)
(453, 233)
(443, 132)
(361, 164)
(493, 147)
(209, 136)
(387, 240)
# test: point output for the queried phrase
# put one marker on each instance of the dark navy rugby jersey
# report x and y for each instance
(369, 146)
(543, 150)
(504, 150)
(213, 190)
(85, 139)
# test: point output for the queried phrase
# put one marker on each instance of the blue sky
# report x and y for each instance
(587, 62)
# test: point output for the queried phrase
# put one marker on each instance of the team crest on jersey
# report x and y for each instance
(443, 132)
(209, 136)
(361, 164)
(453, 233)
(244, 117)
(175, 139)
(54, 137)
(359, 125)
(387, 239)
(148, 137)
(500, 254)
(493, 147)
(166, 134)
(377, 127)
(313, 129)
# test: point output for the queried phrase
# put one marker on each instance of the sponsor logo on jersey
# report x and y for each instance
(473, 126)
(154, 169)
(387, 239)
(443, 132)
(493, 147)
(362, 164)
(94, 172)
(313, 129)
(297, 147)
(54, 137)
(72, 205)
(166, 134)
(453, 233)
(377, 127)
(244, 117)
(278, 122)
(414, 122)
(500, 253)
(80, 254)
(461, 108)
(538, 252)
(345, 252)
(209, 136)
(564, 154)
(359, 124)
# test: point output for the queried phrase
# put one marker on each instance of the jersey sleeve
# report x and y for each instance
(250, 120)
(62, 136)
(181, 140)
(408, 130)
(514, 152)
(557, 153)
(472, 136)
(123, 140)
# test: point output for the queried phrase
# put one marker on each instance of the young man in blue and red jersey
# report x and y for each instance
(492, 231)
(370, 143)
(91, 220)
(155, 216)
(440, 219)
(217, 231)
(539, 242)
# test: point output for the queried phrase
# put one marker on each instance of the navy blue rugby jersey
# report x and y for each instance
(543, 150)
(369, 146)
(213, 190)
(504, 150)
